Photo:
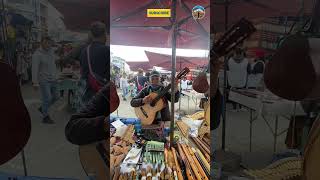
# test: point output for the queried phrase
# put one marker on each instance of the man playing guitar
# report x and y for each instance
(155, 86)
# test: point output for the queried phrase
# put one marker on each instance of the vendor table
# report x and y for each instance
(265, 104)
(194, 96)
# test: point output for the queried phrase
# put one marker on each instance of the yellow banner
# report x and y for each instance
(159, 13)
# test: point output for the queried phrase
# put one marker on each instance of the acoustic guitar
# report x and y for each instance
(94, 157)
(15, 125)
(230, 39)
(147, 112)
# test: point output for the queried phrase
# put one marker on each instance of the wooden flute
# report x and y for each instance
(189, 173)
(202, 150)
(195, 160)
(194, 167)
(206, 163)
(174, 152)
(203, 145)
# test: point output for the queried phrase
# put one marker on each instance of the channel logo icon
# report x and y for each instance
(198, 12)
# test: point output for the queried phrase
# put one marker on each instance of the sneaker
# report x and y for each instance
(47, 120)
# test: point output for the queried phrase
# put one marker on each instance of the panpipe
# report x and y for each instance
(285, 169)
(128, 134)
(184, 129)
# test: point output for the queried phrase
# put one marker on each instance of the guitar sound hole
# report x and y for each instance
(144, 112)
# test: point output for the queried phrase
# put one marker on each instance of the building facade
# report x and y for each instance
(46, 19)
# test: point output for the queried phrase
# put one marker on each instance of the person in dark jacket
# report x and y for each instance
(142, 97)
(99, 55)
(140, 80)
(91, 124)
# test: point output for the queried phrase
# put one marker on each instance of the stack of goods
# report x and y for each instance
(144, 162)
(173, 167)
(118, 151)
(204, 146)
(153, 161)
(285, 169)
(119, 148)
(196, 165)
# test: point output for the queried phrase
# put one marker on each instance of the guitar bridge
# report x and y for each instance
(144, 112)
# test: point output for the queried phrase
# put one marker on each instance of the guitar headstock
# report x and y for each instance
(233, 37)
(182, 73)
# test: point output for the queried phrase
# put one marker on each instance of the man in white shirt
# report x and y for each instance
(184, 84)
(237, 71)
(44, 75)
(124, 86)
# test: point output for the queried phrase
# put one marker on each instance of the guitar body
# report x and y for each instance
(147, 113)
(294, 71)
(92, 162)
(15, 128)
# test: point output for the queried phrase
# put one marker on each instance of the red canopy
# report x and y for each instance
(130, 26)
(79, 14)
(164, 61)
(135, 65)
(257, 9)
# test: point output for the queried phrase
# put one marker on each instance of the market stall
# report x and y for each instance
(263, 105)
(136, 152)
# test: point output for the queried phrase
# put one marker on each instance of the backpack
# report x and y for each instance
(139, 86)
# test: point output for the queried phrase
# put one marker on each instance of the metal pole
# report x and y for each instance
(225, 84)
(24, 163)
(173, 72)
(180, 92)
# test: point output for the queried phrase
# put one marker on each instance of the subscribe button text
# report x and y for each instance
(158, 12)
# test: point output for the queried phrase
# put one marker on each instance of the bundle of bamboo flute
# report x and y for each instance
(203, 146)
(196, 165)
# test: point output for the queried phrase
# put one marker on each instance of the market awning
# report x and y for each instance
(135, 65)
(164, 61)
(255, 10)
(79, 14)
(131, 27)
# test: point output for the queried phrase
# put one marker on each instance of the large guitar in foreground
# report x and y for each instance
(15, 128)
(230, 39)
(147, 112)
(293, 72)
(95, 157)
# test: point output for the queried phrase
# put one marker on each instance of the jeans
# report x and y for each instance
(49, 95)
(124, 92)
